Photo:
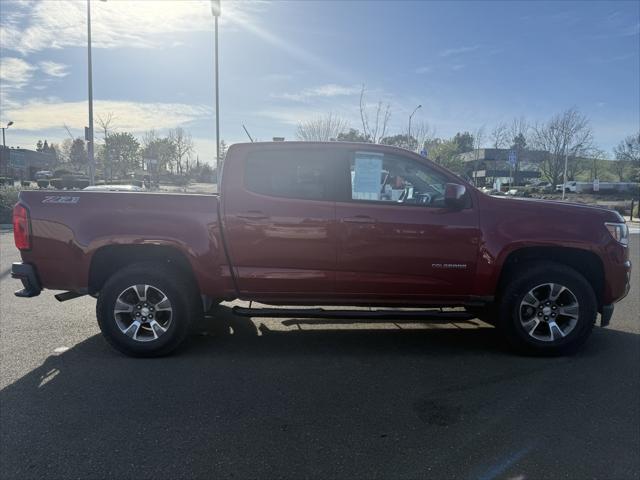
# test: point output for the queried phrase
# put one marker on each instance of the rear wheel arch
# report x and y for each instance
(585, 262)
(108, 260)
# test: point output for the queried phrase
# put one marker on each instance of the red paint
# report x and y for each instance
(334, 251)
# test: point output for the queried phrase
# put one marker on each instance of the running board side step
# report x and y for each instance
(63, 297)
(422, 315)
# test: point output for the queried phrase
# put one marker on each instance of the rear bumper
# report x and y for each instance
(27, 274)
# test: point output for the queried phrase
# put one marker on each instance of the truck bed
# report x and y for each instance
(68, 228)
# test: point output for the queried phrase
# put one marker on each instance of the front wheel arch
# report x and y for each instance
(585, 262)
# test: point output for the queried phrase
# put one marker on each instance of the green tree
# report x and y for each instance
(124, 152)
(353, 135)
(445, 153)
(519, 146)
(54, 151)
(161, 149)
(463, 142)
(78, 154)
(400, 140)
(39, 146)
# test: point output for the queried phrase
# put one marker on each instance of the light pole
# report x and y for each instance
(216, 9)
(89, 135)
(4, 148)
(410, 117)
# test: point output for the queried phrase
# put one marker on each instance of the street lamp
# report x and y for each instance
(216, 10)
(410, 117)
(4, 145)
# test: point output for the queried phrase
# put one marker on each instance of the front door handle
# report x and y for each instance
(359, 219)
(252, 215)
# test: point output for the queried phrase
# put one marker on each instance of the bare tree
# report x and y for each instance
(377, 129)
(519, 127)
(106, 124)
(321, 129)
(620, 168)
(566, 134)
(500, 136)
(596, 156)
(627, 155)
(183, 147)
(423, 134)
(478, 140)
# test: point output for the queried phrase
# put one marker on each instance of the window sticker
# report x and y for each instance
(367, 176)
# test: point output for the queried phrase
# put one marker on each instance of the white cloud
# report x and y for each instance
(131, 116)
(40, 25)
(328, 90)
(15, 71)
(458, 51)
(54, 69)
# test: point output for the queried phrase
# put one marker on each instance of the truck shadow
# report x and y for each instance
(239, 332)
(241, 400)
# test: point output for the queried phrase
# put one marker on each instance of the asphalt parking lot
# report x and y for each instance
(267, 399)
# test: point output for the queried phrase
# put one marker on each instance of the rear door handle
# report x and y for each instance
(359, 219)
(252, 215)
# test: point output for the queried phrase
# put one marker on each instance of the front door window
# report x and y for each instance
(388, 178)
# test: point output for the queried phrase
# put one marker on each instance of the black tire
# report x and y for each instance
(181, 293)
(529, 276)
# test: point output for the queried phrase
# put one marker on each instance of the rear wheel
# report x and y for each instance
(146, 309)
(548, 308)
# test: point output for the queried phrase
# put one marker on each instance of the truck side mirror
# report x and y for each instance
(454, 196)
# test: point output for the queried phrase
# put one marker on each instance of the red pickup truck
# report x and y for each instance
(340, 224)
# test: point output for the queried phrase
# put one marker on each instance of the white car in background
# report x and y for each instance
(114, 188)
(568, 187)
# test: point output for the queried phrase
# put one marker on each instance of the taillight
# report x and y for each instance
(21, 227)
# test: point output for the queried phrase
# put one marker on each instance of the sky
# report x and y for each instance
(469, 64)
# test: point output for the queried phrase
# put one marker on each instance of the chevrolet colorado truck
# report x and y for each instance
(325, 224)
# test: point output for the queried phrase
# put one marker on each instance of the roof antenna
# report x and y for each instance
(247, 132)
(69, 132)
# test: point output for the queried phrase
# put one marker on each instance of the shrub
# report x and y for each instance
(8, 198)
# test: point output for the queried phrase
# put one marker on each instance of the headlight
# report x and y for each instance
(619, 231)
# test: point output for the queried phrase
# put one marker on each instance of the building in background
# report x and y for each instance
(491, 165)
(22, 163)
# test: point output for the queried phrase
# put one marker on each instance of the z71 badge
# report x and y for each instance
(60, 199)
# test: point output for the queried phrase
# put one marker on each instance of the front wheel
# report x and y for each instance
(547, 309)
(146, 310)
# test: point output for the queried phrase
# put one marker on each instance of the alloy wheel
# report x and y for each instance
(549, 312)
(143, 312)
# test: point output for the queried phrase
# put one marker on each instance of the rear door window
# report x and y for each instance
(300, 174)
